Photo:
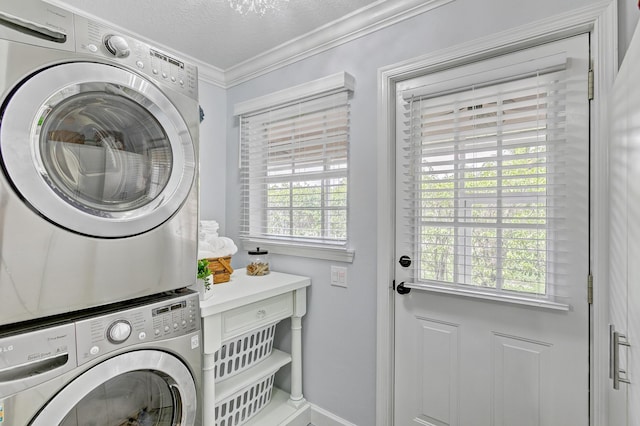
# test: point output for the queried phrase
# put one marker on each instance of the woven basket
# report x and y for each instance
(220, 268)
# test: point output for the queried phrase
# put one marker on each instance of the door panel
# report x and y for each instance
(624, 242)
(633, 193)
(618, 233)
(475, 354)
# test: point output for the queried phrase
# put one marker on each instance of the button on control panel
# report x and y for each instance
(119, 331)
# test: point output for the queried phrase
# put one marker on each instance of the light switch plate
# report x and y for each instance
(339, 276)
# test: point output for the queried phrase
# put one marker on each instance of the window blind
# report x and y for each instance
(486, 177)
(294, 171)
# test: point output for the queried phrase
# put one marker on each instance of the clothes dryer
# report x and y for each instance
(98, 141)
(120, 365)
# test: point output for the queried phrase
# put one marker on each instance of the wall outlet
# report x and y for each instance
(339, 276)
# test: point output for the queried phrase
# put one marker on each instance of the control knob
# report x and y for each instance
(119, 331)
(117, 46)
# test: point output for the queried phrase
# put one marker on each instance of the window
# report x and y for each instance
(487, 180)
(294, 171)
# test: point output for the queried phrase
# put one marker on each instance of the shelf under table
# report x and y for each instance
(280, 412)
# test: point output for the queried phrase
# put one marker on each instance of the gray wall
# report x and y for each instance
(213, 154)
(339, 331)
(627, 20)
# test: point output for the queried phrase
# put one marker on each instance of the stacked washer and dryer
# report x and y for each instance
(98, 225)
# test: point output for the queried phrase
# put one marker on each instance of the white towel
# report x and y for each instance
(210, 244)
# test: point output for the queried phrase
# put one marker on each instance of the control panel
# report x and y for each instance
(152, 322)
(36, 355)
(94, 38)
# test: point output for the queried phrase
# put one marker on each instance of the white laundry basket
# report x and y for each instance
(240, 353)
(244, 404)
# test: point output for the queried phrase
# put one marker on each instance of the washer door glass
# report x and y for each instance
(97, 149)
(136, 398)
(105, 152)
(142, 388)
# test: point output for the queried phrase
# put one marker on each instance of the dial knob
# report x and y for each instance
(117, 45)
(119, 331)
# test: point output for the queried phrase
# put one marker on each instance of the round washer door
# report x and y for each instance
(143, 387)
(97, 149)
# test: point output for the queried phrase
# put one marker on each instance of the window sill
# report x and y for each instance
(505, 298)
(336, 254)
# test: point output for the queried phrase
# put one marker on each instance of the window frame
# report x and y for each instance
(406, 92)
(314, 248)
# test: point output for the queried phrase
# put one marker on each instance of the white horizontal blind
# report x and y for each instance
(294, 171)
(486, 183)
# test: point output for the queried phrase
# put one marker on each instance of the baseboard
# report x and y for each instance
(322, 417)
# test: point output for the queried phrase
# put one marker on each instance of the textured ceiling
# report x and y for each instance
(210, 31)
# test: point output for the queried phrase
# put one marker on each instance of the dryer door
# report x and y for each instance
(97, 149)
(145, 387)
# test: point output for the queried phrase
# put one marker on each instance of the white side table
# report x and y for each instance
(237, 307)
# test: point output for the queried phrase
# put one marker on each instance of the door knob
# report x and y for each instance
(401, 289)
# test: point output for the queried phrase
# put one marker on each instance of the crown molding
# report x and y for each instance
(377, 16)
(210, 74)
(553, 28)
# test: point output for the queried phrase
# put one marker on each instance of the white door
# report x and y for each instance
(624, 243)
(492, 209)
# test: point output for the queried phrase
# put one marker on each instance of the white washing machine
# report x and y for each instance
(138, 365)
(98, 141)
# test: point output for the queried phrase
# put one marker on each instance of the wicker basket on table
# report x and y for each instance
(220, 268)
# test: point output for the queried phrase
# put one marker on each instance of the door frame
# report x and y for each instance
(600, 21)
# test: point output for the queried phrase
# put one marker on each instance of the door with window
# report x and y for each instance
(492, 230)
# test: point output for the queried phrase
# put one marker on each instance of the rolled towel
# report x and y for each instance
(229, 245)
(206, 254)
(217, 247)
(211, 245)
(208, 228)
